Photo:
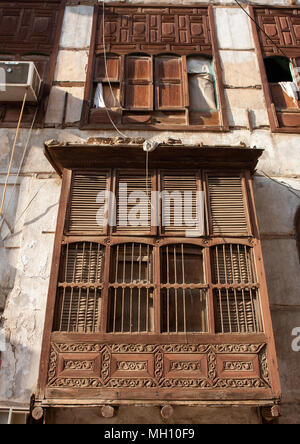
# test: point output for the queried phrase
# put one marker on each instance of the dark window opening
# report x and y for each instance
(278, 69)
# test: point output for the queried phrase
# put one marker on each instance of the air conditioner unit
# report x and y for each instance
(16, 78)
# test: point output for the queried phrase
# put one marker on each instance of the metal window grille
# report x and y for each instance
(236, 296)
(80, 287)
(183, 291)
(131, 306)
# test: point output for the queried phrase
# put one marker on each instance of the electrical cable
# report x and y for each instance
(117, 101)
(12, 153)
(20, 167)
(106, 73)
(260, 28)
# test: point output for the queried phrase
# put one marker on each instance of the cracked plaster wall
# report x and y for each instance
(26, 254)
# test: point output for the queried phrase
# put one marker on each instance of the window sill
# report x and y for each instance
(156, 127)
(161, 338)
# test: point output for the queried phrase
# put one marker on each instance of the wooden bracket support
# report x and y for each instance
(107, 411)
(271, 414)
(37, 413)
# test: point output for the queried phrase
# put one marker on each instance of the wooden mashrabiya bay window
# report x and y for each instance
(156, 66)
(156, 311)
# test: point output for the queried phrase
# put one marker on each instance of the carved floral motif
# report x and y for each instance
(237, 366)
(185, 366)
(132, 366)
(78, 365)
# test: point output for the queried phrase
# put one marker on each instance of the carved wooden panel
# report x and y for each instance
(171, 366)
(154, 29)
(283, 27)
(28, 26)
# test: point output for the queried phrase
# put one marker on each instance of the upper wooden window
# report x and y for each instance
(30, 31)
(161, 70)
(278, 58)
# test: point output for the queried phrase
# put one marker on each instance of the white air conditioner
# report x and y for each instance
(16, 78)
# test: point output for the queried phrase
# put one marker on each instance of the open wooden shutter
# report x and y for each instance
(170, 83)
(112, 68)
(180, 202)
(227, 205)
(133, 202)
(84, 216)
(108, 73)
(138, 83)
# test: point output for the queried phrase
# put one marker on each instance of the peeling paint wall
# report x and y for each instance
(27, 233)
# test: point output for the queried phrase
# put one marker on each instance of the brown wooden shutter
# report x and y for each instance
(108, 72)
(170, 83)
(138, 83)
(179, 206)
(112, 67)
(227, 205)
(132, 191)
(83, 210)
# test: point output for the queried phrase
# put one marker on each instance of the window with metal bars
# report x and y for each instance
(80, 287)
(146, 279)
(235, 289)
(182, 290)
(131, 287)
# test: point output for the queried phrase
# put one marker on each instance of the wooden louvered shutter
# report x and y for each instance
(227, 205)
(84, 211)
(133, 202)
(181, 205)
(170, 83)
(138, 83)
(235, 289)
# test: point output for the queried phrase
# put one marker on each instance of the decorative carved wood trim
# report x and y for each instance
(150, 366)
(283, 27)
(154, 29)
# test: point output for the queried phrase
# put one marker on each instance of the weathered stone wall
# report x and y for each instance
(26, 235)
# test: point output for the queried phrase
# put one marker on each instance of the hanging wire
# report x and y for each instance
(12, 153)
(19, 170)
(260, 28)
(106, 73)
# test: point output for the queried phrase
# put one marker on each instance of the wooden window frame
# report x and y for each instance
(152, 176)
(22, 52)
(104, 123)
(292, 53)
(247, 207)
(157, 239)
